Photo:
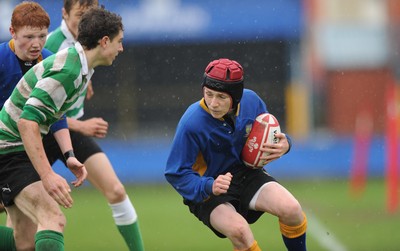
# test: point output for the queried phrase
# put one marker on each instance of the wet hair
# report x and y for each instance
(83, 3)
(97, 23)
(29, 14)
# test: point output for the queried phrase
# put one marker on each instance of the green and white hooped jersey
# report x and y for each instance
(60, 39)
(44, 94)
(57, 40)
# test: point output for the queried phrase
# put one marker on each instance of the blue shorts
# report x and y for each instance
(245, 183)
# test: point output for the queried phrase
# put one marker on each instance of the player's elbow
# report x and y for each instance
(169, 177)
(23, 124)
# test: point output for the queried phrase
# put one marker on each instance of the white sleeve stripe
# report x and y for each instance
(12, 110)
(23, 88)
(6, 144)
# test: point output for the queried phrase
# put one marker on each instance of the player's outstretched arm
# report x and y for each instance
(55, 185)
(93, 127)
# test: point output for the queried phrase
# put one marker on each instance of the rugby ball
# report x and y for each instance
(264, 129)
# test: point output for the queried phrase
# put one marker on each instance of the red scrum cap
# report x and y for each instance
(225, 75)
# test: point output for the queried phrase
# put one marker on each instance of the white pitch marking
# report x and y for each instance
(322, 235)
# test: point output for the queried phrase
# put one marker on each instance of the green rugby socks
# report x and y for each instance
(7, 242)
(132, 236)
(48, 240)
(126, 219)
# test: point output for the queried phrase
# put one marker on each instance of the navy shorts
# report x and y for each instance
(84, 147)
(16, 173)
(245, 183)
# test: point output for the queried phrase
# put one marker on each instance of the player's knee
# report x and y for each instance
(60, 220)
(116, 194)
(55, 220)
(292, 213)
(239, 233)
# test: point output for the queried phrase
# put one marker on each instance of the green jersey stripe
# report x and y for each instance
(11, 131)
(44, 94)
(57, 40)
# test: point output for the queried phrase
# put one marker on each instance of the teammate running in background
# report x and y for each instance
(206, 168)
(100, 171)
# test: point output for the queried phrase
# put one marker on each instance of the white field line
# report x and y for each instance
(322, 235)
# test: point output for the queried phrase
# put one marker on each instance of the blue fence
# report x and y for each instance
(143, 161)
(190, 20)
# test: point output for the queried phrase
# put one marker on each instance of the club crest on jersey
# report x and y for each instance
(248, 130)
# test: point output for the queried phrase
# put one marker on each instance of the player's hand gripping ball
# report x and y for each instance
(264, 129)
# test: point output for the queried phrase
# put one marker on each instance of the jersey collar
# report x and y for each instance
(85, 67)
(68, 35)
(12, 47)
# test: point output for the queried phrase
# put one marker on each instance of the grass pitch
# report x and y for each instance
(355, 223)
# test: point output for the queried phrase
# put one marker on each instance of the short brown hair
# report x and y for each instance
(97, 23)
(83, 3)
(29, 14)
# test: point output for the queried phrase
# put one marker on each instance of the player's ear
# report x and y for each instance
(12, 32)
(104, 41)
(64, 13)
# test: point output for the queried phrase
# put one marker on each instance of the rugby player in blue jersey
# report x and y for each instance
(206, 168)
